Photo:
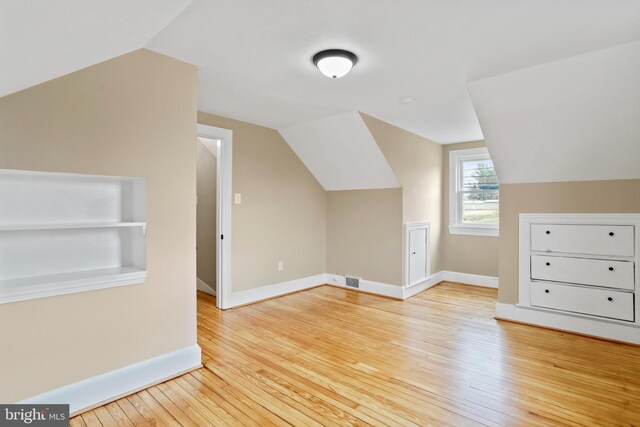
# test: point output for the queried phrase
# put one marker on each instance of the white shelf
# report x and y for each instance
(29, 227)
(63, 233)
(59, 284)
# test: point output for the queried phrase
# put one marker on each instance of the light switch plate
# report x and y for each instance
(237, 198)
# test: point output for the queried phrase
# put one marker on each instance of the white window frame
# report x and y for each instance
(456, 157)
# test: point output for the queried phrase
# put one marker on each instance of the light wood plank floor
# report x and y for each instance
(336, 357)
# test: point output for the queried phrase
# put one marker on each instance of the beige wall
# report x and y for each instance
(134, 116)
(422, 168)
(622, 196)
(364, 234)
(283, 212)
(460, 253)
(417, 163)
(206, 215)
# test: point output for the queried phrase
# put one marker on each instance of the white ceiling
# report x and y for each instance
(255, 55)
(44, 39)
(341, 153)
(576, 119)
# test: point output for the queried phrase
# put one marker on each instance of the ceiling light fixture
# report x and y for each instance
(335, 63)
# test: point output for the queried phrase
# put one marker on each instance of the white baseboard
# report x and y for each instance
(201, 285)
(270, 291)
(384, 289)
(399, 292)
(611, 330)
(107, 387)
(470, 279)
(431, 281)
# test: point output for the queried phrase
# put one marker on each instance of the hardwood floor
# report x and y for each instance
(334, 357)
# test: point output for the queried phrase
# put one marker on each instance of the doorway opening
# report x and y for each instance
(213, 247)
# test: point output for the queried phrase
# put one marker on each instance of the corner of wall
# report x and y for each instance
(133, 115)
(417, 162)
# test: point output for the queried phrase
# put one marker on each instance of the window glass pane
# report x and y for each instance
(478, 175)
(480, 207)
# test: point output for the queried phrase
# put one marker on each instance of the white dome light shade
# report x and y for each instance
(334, 66)
(334, 63)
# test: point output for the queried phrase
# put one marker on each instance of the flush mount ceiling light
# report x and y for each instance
(335, 63)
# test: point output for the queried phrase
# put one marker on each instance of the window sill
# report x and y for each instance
(474, 231)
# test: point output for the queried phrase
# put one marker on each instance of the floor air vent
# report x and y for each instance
(353, 282)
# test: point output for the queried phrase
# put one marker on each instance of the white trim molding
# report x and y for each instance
(456, 226)
(470, 279)
(575, 323)
(201, 285)
(270, 291)
(405, 292)
(107, 387)
(472, 230)
(378, 288)
(431, 281)
(224, 210)
(72, 283)
(384, 289)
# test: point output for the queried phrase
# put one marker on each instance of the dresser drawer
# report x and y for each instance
(610, 240)
(576, 299)
(595, 272)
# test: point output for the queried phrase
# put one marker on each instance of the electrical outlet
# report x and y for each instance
(280, 265)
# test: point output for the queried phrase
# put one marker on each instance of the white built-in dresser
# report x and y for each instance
(583, 266)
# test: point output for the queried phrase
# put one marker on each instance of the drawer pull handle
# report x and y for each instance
(610, 299)
(610, 268)
(548, 232)
(546, 291)
(548, 263)
(611, 233)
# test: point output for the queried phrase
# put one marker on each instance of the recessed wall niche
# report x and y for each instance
(63, 233)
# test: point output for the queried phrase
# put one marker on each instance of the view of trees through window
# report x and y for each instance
(479, 192)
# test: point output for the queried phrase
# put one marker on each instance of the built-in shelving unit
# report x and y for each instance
(64, 233)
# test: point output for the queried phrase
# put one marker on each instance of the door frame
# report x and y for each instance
(223, 210)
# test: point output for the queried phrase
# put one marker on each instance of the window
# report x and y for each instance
(473, 193)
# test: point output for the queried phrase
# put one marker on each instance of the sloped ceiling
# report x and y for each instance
(567, 119)
(255, 55)
(44, 39)
(341, 153)
(570, 120)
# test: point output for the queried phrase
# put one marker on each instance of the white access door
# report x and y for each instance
(417, 255)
